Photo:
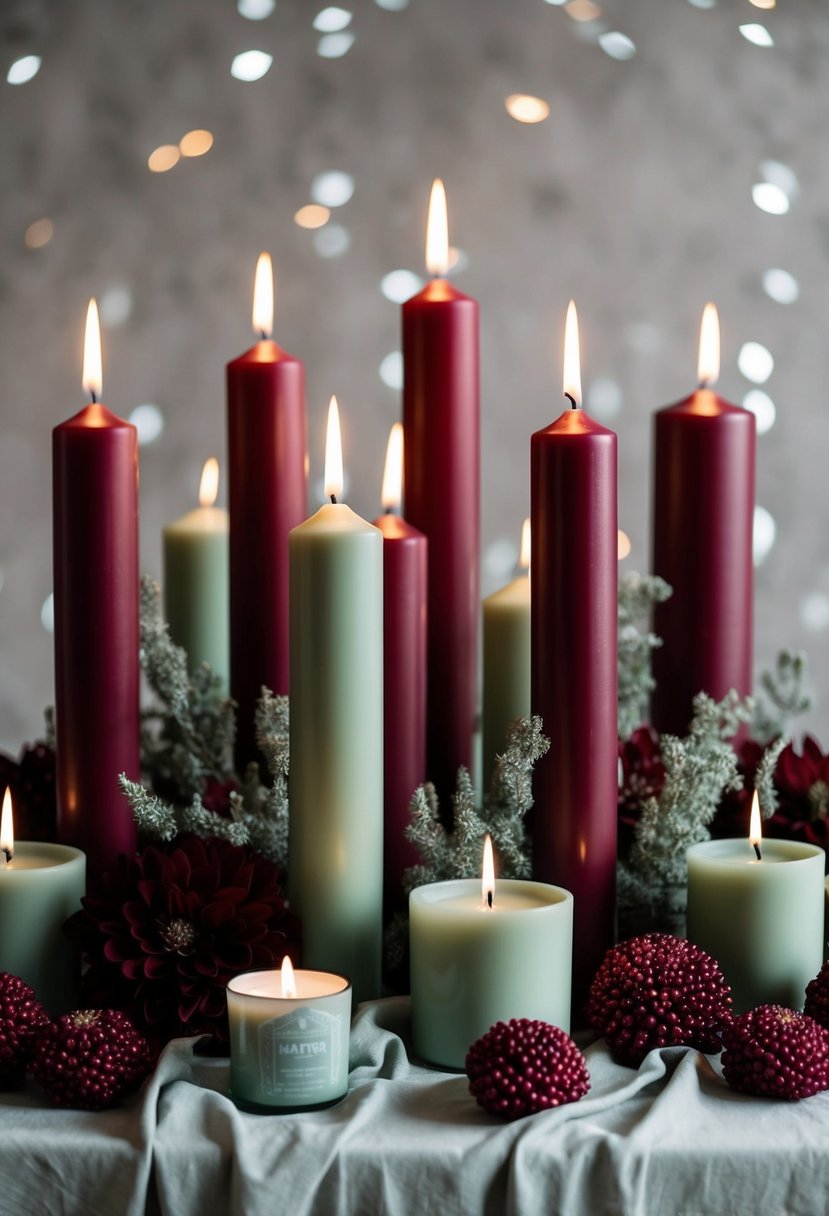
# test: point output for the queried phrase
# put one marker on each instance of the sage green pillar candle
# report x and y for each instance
(506, 629)
(336, 736)
(473, 965)
(762, 920)
(196, 595)
(40, 888)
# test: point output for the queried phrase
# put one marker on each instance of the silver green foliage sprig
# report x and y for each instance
(638, 595)
(188, 738)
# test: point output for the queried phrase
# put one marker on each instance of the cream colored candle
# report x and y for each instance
(761, 919)
(506, 618)
(41, 886)
(196, 595)
(336, 818)
(474, 964)
(288, 1039)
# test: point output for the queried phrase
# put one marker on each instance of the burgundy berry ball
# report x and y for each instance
(658, 991)
(89, 1058)
(521, 1067)
(21, 1016)
(817, 997)
(773, 1052)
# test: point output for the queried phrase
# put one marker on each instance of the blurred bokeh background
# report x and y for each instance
(642, 156)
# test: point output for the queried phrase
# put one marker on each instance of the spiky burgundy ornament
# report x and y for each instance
(658, 991)
(773, 1052)
(817, 997)
(520, 1067)
(89, 1058)
(21, 1016)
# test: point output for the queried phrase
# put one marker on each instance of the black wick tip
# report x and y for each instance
(94, 396)
(334, 498)
(757, 851)
(9, 854)
(572, 400)
(489, 899)
(263, 335)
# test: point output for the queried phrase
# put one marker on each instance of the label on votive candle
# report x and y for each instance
(299, 1055)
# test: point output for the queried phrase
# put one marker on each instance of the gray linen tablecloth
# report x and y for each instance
(670, 1138)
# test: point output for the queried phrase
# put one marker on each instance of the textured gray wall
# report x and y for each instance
(635, 196)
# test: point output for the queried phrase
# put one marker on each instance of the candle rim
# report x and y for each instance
(425, 894)
(67, 854)
(298, 972)
(709, 849)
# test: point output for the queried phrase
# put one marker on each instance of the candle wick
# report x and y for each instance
(757, 851)
(704, 384)
(572, 401)
(489, 899)
(93, 395)
(334, 498)
(263, 335)
(389, 511)
(9, 854)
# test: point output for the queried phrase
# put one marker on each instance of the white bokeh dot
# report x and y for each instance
(255, 10)
(334, 46)
(604, 398)
(782, 176)
(333, 188)
(756, 362)
(115, 306)
(814, 611)
(781, 286)
(332, 241)
(400, 285)
(23, 70)
(391, 369)
(617, 45)
(756, 34)
(251, 65)
(762, 407)
(47, 613)
(148, 420)
(392, 6)
(764, 535)
(332, 20)
(770, 198)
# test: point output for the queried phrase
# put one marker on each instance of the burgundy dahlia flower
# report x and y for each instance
(166, 930)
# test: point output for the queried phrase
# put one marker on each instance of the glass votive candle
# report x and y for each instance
(289, 1033)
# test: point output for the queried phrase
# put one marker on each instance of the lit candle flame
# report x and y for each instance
(7, 827)
(263, 296)
(288, 978)
(92, 379)
(488, 875)
(623, 545)
(392, 492)
(437, 232)
(209, 485)
(755, 832)
(708, 365)
(526, 546)
(333, 454)
(572, 361)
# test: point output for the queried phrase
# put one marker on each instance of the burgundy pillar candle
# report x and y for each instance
(703, 515)
(441, 419)
(95, 550)
(404, 672)
(267, 496)
(574, 667)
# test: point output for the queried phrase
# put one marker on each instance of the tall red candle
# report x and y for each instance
(703, 514)
(441, 418)
(404, 672)
(95, 550)
(574, 667)
(267, 496)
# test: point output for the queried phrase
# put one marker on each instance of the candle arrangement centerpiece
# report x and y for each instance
(341, 769)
